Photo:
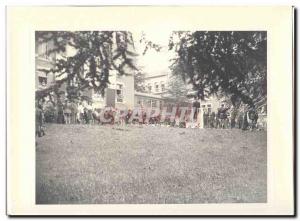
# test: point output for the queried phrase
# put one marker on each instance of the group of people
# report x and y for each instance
(226, 117)
(62, 113)
(72, 113)
(84, 113)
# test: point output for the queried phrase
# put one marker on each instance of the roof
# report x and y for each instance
(156, 76)
(136, 93)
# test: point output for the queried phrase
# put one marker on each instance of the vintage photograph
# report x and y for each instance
(150, 117)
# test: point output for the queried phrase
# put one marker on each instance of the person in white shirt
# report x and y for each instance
(80, 113)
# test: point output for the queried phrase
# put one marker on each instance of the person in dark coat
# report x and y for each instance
(205, 118)
(86, 116)
(245, 120)
(240, 120)
(233, 117)
(74, 110)
(252, 117)
(128, 116)
(39, 120)
(60, 113)
(212, 117)
(222, 114)
(196, 106)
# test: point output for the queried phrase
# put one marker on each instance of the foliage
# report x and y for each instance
(231, 63)
(95, 55)
(139, 82)
(177, 89)
(148, 44)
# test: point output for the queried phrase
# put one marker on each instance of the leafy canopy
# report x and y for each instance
(231, 63)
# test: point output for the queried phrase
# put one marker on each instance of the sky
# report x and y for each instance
(153, 62)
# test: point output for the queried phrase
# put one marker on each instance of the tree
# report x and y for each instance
(176, 89)
(95, 55)
(139, 82)
(233, 63)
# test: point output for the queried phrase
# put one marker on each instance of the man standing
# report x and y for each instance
(67, 112)
(73, 106)
(222, 114)
(252, 117)
(90, 112)
(80, 113)
(196, 106)
(205, 117)
(233, 116)
(39, 120)
(60, 112)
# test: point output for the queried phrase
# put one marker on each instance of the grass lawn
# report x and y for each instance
(105, 164)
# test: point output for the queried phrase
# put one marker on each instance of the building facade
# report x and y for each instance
(148, 100)
(119, 94)
(156, 84)
(156, 95)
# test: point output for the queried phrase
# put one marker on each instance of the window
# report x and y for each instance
(43, 50)
(149, 103)
(149, 88)
(162, 86)
(140, 102)
(154, 103)
(203, 106)
(119, 93)
(160, 104)
(42, 81)
(209, 108)
(156, 87)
